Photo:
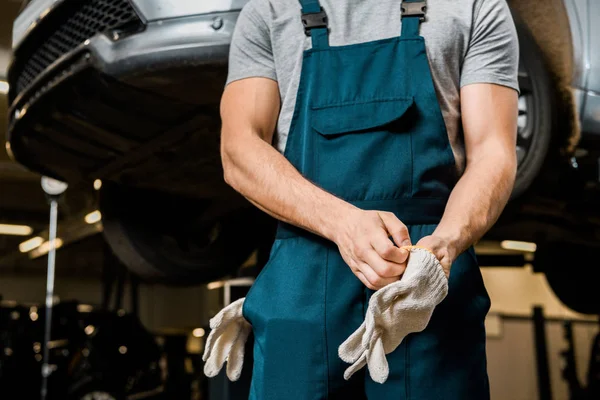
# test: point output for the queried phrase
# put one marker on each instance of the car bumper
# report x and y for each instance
(161, 85)
(197, 40)
(148, 10)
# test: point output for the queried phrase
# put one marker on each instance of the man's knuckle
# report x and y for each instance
(388, 271)
(360, 251)
(389, 249)
(379, 281)
(403, 228)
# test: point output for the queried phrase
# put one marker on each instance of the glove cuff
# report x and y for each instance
(432, 270)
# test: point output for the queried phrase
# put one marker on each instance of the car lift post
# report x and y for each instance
(541, 352)
(53, 190)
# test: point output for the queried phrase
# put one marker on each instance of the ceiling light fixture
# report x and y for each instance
(3, 87)
(44, 248)
(518, 246)
(93, 217)
(198, 332)
(17, 230)
(215, 285)
(97, 184)
(30, 244)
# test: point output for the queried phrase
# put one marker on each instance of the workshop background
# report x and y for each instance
(119, 99)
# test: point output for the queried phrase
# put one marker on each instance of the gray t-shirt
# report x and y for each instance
(468, 41)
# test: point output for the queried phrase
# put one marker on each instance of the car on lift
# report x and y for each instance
(128, 91)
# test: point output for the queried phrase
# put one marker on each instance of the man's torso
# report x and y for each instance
(447, 31)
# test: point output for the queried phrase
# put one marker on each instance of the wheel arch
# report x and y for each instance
(558, 50)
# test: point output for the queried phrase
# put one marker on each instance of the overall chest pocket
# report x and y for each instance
(363, 150)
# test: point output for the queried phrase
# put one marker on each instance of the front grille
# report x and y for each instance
(80, 21)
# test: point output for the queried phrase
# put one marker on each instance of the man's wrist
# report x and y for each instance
(333, 219)
(454, 243)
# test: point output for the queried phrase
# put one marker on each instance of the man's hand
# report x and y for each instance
(364, 243)
(442, 250)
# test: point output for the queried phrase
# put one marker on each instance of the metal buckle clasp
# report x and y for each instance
(414, 9)
(314, 20)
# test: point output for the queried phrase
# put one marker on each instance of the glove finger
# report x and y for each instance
(361, 362)
(235, 362)
(370, 326)
(377, 362)
(227, 317)
(352, 348)
(211, 368)
(231, 314)
(212, 339)
(221, 350)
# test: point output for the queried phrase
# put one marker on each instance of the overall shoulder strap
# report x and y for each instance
(413, 13)
(314, 20)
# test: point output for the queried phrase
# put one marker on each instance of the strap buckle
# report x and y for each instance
(313, 21)
(414, 9)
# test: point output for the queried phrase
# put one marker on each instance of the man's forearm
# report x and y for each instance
(477, 200)
(268, 180)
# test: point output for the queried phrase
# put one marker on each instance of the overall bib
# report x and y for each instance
(367, 128)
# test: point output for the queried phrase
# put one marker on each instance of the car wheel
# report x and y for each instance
(171, 240)
(536, 111)
(92, 390)
(570, 270)
(95, 395)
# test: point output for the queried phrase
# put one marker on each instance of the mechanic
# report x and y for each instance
(363, 128)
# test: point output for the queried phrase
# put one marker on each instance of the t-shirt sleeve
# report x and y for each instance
(493, 52)
(250, 54)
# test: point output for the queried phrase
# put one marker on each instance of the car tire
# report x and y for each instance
(92, 389)
(570, 270)
(537, 110)
(157, 237)
(96, 395)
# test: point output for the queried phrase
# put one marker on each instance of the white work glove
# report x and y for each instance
(226, 341)
(394, 311)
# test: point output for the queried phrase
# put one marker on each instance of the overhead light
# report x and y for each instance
(33, 313)
(84, 308)
(93, 217)
(89, 329)
(97, 184)
(198, 332)
(518, 246)
(30, 244)
(3, 87)
(215, 285)
(17, 230)
(44, 248)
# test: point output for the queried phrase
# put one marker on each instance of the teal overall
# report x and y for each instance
(368, 128)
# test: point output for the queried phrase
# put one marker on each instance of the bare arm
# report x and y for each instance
(252, 166)
(489, 117)
(249, 110)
